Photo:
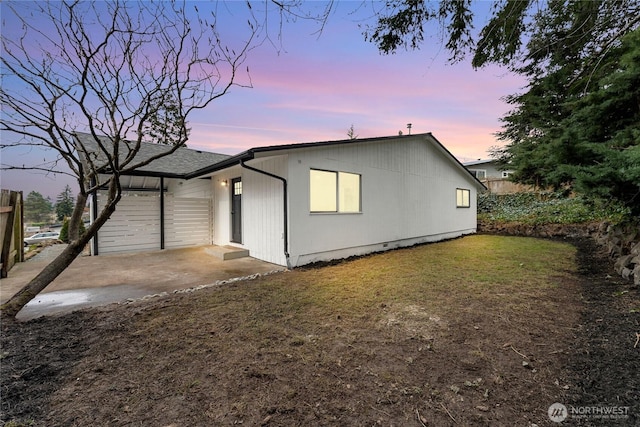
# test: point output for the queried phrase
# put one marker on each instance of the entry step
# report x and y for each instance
(227, 252)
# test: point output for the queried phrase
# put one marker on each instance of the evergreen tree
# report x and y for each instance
(64, 204)
(576, 126)
(37, 208)
(581, 132)
(64, 231)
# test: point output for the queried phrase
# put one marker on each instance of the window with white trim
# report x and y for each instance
(463, 198)
(331, 191)
(506, 174)
(479, 173)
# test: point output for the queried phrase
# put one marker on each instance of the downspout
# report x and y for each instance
(161, 212)
(94, 212)
(284, 193)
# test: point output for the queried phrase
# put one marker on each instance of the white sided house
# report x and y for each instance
(296, 204)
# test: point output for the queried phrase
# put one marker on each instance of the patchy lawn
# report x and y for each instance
(483, 330)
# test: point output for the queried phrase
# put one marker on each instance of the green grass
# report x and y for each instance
(441, 278)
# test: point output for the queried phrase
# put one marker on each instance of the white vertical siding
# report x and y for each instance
(408, 196)
(263, 210)
(193, 188)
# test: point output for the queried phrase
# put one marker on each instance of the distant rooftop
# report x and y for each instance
(478, 162)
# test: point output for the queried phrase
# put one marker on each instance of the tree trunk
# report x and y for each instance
(76, 217)
(10, 309)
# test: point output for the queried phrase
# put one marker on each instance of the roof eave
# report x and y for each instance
(224, 164)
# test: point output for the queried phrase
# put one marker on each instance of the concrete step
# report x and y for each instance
(227, 252)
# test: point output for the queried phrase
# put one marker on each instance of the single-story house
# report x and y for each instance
(487, 169)
(298, 203)
(495, 177)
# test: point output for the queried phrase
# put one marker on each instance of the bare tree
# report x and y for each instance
(125, 72)
(351, 133)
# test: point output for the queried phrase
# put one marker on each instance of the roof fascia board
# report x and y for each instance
(155, 174)
(224, 164)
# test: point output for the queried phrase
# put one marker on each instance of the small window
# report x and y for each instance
(237, 188)
(334, 191)
(506, 174)
(479, 173)
(462, 198)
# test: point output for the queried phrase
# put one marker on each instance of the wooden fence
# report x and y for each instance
(11, 230)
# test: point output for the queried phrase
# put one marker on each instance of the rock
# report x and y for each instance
(636, 275)
(622, 262)
(614, 247)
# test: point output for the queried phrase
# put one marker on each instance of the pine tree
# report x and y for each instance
(37, 209)
(64, 204)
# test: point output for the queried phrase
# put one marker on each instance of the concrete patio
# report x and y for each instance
(94, 281)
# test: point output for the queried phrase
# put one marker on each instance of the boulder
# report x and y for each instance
(622, 262)
(614, 247)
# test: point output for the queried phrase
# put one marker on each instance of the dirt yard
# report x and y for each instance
(479, 331)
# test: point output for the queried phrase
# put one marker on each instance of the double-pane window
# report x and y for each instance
(331, 191)
(462, 198)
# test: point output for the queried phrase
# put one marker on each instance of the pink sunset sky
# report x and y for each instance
(311, 87)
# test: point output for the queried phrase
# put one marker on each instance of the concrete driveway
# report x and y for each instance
(95, 281)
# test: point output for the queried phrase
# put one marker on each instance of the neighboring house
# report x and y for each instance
(495, 177)
(299, 203)
(487, 169)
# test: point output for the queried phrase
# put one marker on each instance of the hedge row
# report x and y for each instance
(546, 208)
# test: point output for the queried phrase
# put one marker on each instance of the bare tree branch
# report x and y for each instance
(118, 70)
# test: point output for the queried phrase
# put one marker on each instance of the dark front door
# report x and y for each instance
(236, 210)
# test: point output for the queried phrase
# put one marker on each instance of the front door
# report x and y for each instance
(236, 210)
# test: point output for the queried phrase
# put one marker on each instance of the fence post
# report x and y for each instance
(10, 211)
(12, 231)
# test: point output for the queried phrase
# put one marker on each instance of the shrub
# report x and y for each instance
(546, 208)
(64, 232)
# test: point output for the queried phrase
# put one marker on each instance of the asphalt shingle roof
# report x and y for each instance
(180, 163)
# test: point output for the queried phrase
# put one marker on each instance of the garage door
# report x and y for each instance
(187, 222)
(134, 226)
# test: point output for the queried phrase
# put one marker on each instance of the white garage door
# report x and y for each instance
(134, 226)
(187, 222)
